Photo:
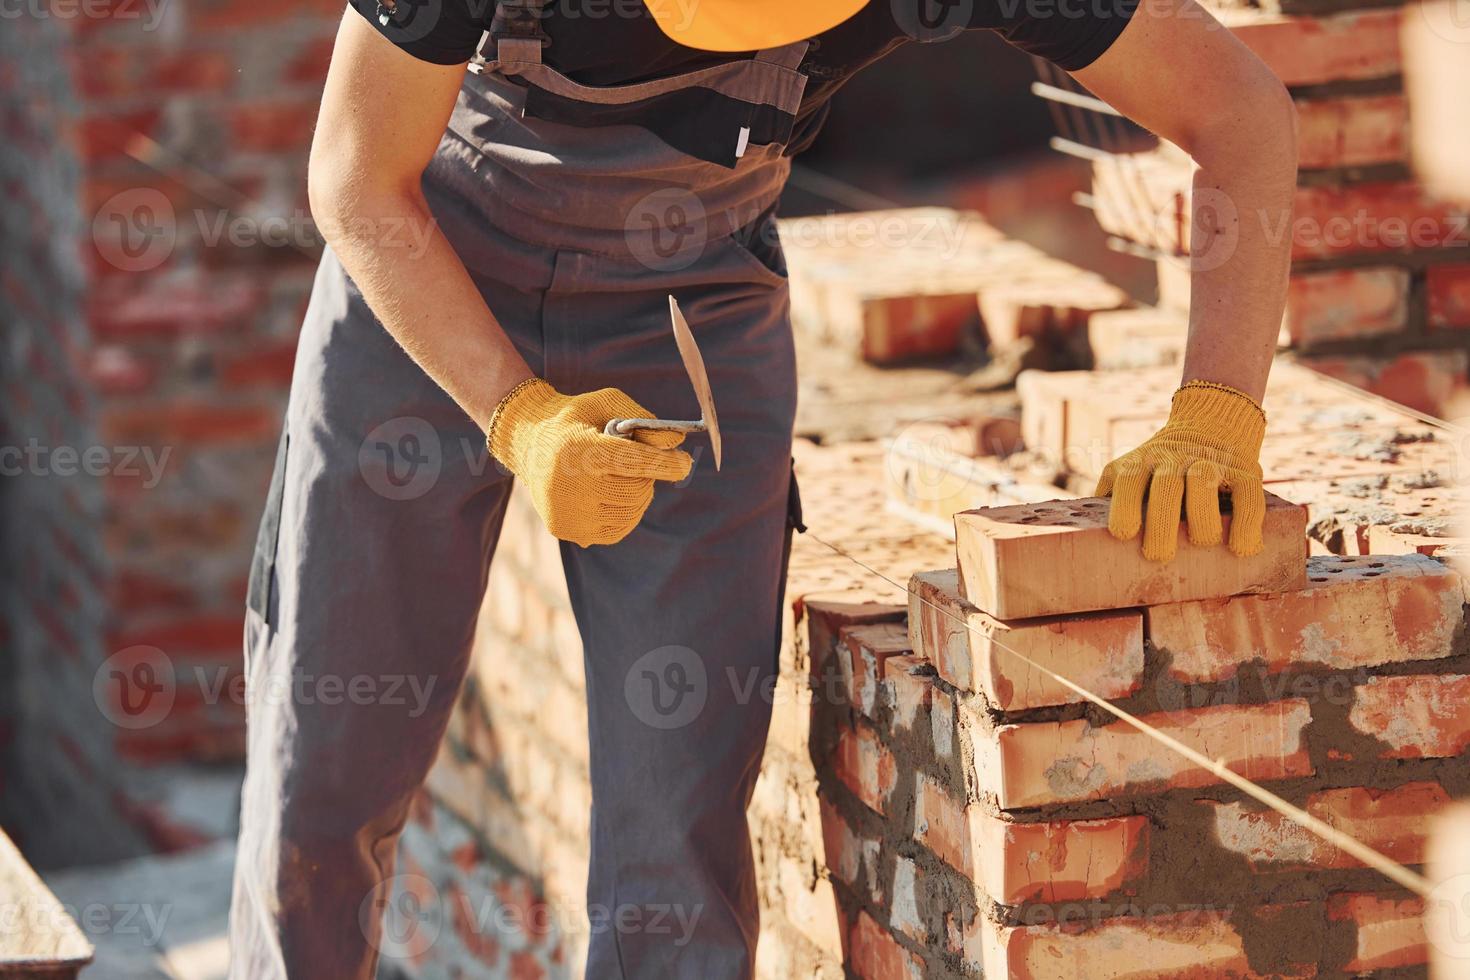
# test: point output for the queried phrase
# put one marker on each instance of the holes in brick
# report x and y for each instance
(1375, 564)
(1316, 579)
(1371, 574)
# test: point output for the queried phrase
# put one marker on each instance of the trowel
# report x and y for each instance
(694, 365)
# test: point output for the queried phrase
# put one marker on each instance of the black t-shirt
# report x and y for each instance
(616, 42)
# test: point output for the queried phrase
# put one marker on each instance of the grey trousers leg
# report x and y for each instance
(680, 621)
(372, 562)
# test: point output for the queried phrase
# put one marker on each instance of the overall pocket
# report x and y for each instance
(267, 539)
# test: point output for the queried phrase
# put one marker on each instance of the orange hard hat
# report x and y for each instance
(747, 25)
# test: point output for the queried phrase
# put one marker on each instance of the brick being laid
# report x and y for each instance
(1059, 557)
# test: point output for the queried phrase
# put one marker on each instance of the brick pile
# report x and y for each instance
(980, 817)
(927, 282)
(1381, 261)
(1373, 478)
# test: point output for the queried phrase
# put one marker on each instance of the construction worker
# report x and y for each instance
(502, 247)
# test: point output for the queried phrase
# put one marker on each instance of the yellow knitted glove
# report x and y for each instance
(588, 487)
(1211, 441)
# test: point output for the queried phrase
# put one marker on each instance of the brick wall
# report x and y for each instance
(1028, 835)
(1380, 258)
(192, 126)
(56, 754)
(159, 257)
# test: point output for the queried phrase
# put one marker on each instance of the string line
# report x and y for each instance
(1398, 873)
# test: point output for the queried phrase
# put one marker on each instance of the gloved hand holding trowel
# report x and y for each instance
(591, 461)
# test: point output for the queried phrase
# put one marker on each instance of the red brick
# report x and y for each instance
(273, 128)
(1352, 132)
(187, 635)
(1427, 381)
(1056, 861)
(1377, 217)
(1419, 716)
(1178, 946)
(177, 424)
(1314, 50)
(1014, 562)
(1146, 337)
(825, 619)
(875, 955)
(1354, 612)
(1390, 930)
(865, 766)
(264, 365)
(852, 858)
(1043, 763)
(867, 647)
(910, 684)
(975, 652)
(1394, 822)
(107, 137)
(1346, 303)
(1449, 295)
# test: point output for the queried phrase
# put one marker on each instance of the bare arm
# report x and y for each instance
(383, 114)
(1176, 71)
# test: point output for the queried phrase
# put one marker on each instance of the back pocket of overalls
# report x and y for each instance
(267, 539)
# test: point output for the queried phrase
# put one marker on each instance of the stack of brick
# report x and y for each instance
(1374, 479)
(917, 282)
(982, 819)
(1380, 262)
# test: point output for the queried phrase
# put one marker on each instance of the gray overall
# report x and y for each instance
(383, 515)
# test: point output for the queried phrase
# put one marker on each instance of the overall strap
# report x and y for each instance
(517, 31)
(786, 56)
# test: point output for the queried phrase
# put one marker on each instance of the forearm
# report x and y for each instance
(1241, 246)
(419, 289)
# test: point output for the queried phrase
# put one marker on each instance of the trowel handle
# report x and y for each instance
(624, 428)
